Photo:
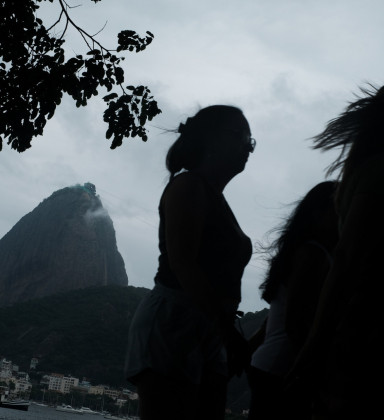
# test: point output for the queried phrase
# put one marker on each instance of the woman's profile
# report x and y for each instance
(176, 346)
(301, 257)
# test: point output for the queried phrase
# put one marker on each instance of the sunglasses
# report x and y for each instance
(250, 142)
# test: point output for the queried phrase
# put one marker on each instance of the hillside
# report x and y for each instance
(67, 242)
(84, 333)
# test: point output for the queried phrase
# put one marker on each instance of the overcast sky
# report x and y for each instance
(290, 65)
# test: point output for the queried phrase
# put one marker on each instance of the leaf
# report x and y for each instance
(139, 91)
(109, 133)
(107, 98)
(143, 119)
(117, 141)
(119, 74)
(93, 52)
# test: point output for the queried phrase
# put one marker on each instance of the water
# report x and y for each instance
(44, 413)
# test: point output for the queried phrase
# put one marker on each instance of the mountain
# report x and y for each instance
(84, 333)
(67, 242)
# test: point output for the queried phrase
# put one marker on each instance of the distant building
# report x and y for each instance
(83, 387)
(20, 381)
(5, 369)
(22, 384)
(34, 363)
(55, 380)
(61, 383)
(45, 380)
(85, 383)
(68, 383)
(96, 390)
(112, 393)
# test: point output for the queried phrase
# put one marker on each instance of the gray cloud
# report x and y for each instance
(290, 67)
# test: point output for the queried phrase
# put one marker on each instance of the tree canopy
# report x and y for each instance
(35, 73)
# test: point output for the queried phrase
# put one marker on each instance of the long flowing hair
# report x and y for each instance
(358, 131)
(301, 226)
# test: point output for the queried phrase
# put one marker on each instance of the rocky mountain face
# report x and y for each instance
(67, 242)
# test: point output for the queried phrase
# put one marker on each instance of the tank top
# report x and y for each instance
(224, 252)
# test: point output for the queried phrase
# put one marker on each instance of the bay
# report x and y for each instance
(44, 413)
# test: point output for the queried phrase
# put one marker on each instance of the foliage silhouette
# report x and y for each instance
(34, 74)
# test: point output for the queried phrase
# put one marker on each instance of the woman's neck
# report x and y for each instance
(214, 178)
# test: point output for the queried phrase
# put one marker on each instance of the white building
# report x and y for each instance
(55, 380)
(5, 369)
(22, 385)
(69, 382)
(112, 393)
(61, 383)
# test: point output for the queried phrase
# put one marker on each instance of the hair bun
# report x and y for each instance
(187, 125)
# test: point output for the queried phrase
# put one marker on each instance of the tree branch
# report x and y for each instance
(83, 33)
(65, 30)
(97, 33)
(58, 20)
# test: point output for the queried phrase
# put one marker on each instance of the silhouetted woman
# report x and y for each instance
(346, 345)
(301, 259)
(176, 353)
